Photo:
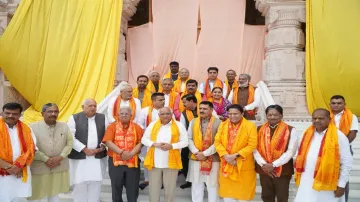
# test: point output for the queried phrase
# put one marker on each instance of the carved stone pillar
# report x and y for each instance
(122, 70)
(284, 66)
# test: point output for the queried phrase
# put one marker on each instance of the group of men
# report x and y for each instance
(169, 126)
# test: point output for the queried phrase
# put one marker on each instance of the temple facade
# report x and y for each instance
(283, 66)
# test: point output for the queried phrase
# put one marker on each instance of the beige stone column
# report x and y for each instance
(122, 69)
(284, 65)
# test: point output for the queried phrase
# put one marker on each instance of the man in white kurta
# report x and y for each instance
(125, 96)
(161, 173)
(87, 172)
(306, 193)
(12, 188)
(145, 118)
(196, 176)
(212, 78)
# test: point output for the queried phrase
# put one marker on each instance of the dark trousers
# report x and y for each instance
(185, 160)
(347, 187)
(122, 176)
(275, 187)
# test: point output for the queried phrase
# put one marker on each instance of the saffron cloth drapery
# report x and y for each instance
(62, 52)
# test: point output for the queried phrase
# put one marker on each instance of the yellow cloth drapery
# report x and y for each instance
(332, 56)
(62, 52)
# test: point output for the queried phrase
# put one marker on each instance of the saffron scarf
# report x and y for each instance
(174, 154)
(126, 141)
(207, 90)
(27, 147)
(177, 85)
(149, 116)
(172, 98)
(169, 76)
(203, 144)
(151, 87)
(251, 95)
(272, 148)
(235, 85)
(327, 167)
(116, 108)
(345, 121)
(198, 98)
(233, 138)
(146, 101)
(190, 115)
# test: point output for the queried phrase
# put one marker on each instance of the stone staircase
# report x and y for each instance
(185, 195)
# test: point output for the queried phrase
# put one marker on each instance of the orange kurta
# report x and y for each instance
(238, 182)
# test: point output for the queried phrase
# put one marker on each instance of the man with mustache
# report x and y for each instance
(191, 88)
(169, 93)
(345, 121)
(230, 81)
(212, 81)
(17, 143)
(173, 74)
(324, 161)
(87, 158)
(50, 168)
(204, 161)
(246, 96)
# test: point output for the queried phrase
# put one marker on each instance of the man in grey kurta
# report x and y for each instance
(50, 168)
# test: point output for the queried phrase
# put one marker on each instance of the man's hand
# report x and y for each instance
(157, 145)
(233, 163)
(166, 147)
(54, 161)
(267, 168)
(126, 155)
(89, 152)
(200, 156)
(98, 150)
(13, 170)
(229, 157)
(339, 192)
(222, 118)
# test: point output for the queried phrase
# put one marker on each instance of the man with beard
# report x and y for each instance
(141, 92)
(191, 88)
(50, 168)
(174, 71)
(246, 96)
(17, 143)
(180, 84)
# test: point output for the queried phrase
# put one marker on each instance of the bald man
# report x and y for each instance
(154, 85)
(87, 158)
(180, 84)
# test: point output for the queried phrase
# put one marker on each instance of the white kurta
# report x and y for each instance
(89, 169)
(123, 103)
(164, 136)
(201, 88)
(285, 157)
(10, 186)
(305, 190)
(251, 106)
(354, 123)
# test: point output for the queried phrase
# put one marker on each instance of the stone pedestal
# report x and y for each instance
(284, 66)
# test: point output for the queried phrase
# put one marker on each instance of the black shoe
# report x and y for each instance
(143, 185)
(186, 185)
(162, 186)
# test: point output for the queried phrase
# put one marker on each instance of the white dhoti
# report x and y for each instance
(199, 180)
(87, 175)
(12, 188)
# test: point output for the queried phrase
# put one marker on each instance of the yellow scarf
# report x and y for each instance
(146, 101)
(151, 87)
(234, 138)
(27, 147)
(203, 144)
(198, 98)
(271, 148)
(177, 85)
(169, 76)
(116, 109)
(174, 154)
(172, 98)
(235, 85)
(345, 121)
(327, 168)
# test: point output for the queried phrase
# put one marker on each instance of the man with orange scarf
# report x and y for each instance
(147, 116)
(345, 121)
(180, 84)
(154, 85)
(169, 93)
(235, 143)
(212, 81)
(191, 88)
(204, 161)
(141, 92)
(231, 81)
(323, 163)
(125, 99)
(17, 143)
(277, 144)
(174, 71)
(123, 138)
(164, 139)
